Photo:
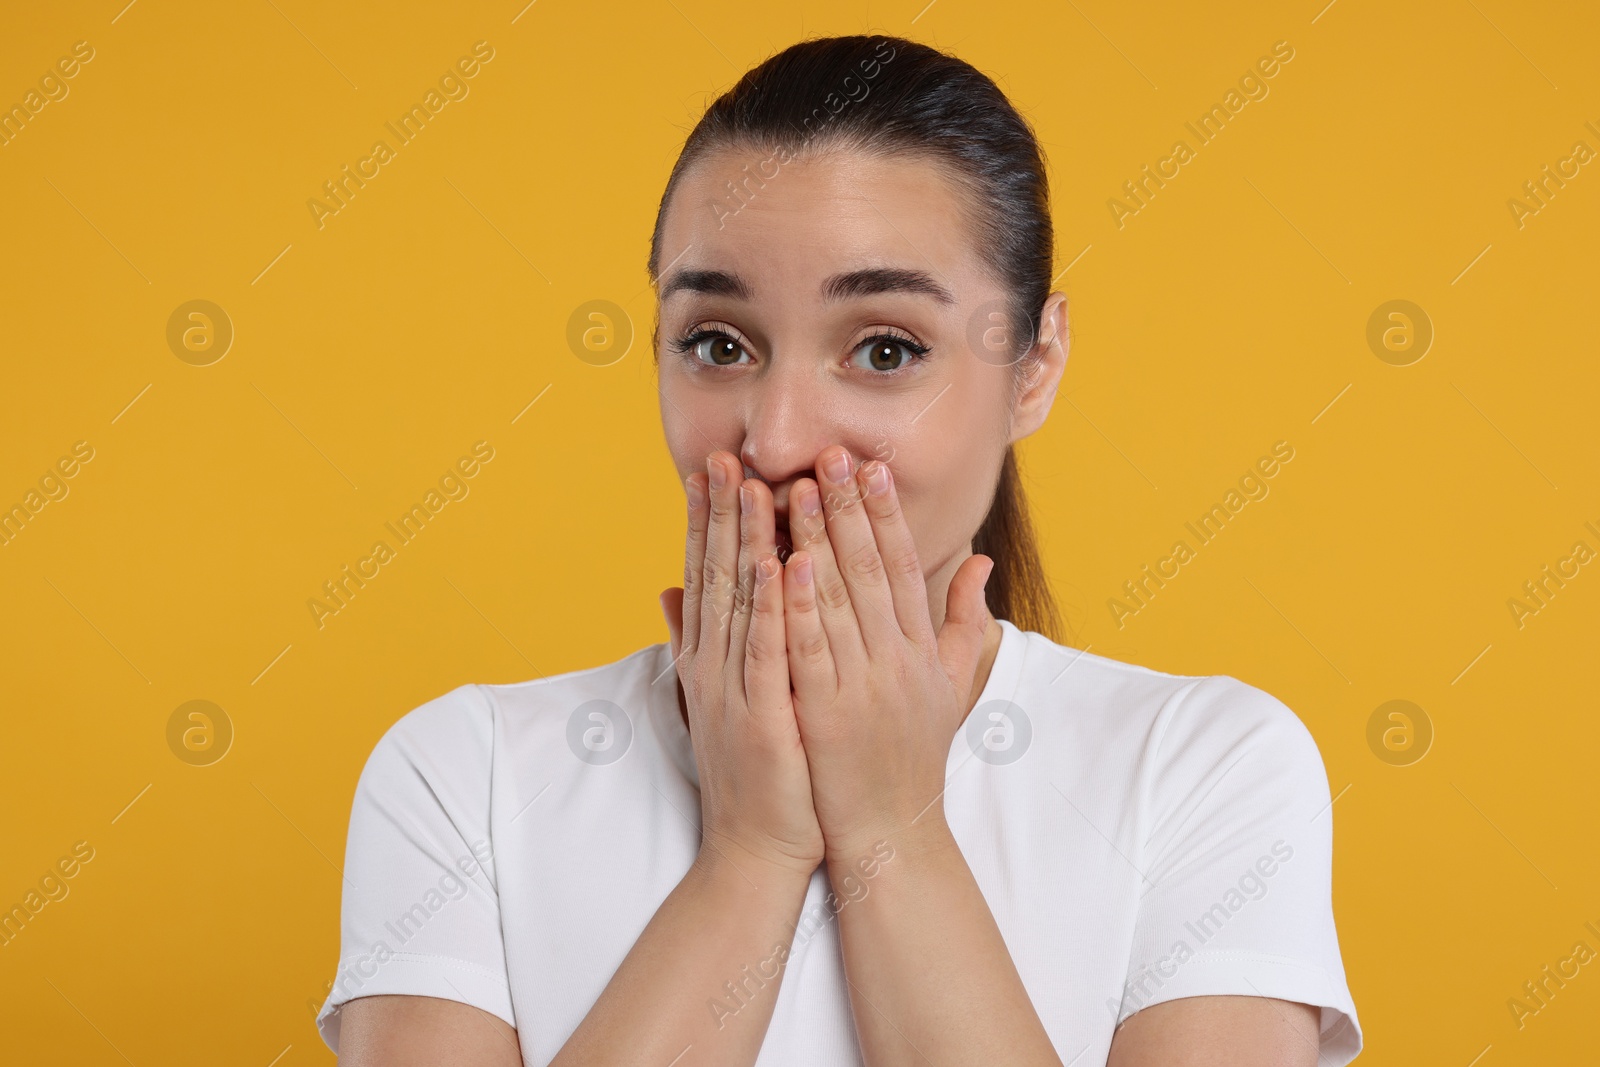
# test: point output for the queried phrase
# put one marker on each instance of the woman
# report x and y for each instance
(882, 816)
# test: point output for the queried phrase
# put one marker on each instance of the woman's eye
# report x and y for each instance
(884, 353)
(719, 350)
(887, 354)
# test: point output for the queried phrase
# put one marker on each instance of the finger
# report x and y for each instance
(856, 550)
(695, 492)
(966, 618)
(908, 588)
(808, 530)
(811, 667)
(766, 658)
(756, 539)
(720, 568)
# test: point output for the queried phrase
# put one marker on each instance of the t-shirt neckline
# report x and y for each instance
(1004, 674)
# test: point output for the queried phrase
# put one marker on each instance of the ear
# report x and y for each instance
(1047, 362)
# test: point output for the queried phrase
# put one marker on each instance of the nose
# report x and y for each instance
(785, 426)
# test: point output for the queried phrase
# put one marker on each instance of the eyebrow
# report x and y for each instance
(855, 283)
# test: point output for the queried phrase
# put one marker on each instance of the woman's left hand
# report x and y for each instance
(878, 696)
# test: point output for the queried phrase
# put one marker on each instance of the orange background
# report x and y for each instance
(1229, 313)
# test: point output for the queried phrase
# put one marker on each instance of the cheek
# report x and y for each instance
(944, 480)
(938, 494)
(692, 426)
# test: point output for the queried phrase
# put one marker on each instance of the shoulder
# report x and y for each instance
(452, 721)
(455, 733)
(1173, 726)
(453, 729)
(622, 679)
(1223, 726)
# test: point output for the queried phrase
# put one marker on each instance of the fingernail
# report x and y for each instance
(747, 500)
(810, 502)
(878, 478)
(838, 466)
(696, 495)
(802, 570)
(715, 472)
(765, 570)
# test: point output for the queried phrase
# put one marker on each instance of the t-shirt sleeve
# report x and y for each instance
(1238, 861)
(419, 911)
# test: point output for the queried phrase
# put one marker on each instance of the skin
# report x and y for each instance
(823, 691)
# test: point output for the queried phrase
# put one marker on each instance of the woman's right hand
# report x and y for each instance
(731, 650)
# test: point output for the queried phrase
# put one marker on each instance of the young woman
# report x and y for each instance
(862, 807)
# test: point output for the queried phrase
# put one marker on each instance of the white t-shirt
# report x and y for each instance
(1138, 836)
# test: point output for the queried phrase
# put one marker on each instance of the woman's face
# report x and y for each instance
(841, 301)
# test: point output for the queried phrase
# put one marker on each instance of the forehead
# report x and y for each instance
(791, 225)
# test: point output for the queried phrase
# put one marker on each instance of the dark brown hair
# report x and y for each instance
(884, 95)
